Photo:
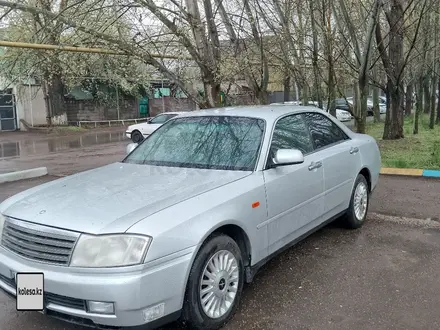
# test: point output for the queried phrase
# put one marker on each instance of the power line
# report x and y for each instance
(15, 44)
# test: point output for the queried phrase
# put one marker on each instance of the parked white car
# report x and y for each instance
(343, 115)
(382, 106)
(176, 228)
(140, 131)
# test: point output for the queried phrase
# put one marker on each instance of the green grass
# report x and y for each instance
(421, 151)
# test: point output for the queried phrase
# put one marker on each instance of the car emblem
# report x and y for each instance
(42, 211)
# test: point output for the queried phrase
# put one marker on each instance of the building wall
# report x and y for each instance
(78, 110)
(30, 105)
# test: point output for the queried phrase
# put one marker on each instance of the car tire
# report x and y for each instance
(137, 137)
(222, 287)
(358, 209)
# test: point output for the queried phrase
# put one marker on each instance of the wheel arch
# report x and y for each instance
(367, 175)
(236, 232)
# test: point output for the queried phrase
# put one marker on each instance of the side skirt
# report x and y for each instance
(251, 271)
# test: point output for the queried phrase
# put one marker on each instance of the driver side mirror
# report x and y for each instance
(285, 157)
(130, 148)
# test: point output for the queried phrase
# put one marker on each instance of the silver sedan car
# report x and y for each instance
(175, 229)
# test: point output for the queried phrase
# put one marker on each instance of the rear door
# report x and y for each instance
(294, 192)
(341, 161)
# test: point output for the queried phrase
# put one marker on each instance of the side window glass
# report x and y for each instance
(291, 133)
(323, 131)
(159, 119)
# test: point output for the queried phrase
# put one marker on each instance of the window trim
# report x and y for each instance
(302, 113)
(347, 138)
(266, 163)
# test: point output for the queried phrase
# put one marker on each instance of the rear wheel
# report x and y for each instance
(136, 136)
(360, 198)
(214, 285)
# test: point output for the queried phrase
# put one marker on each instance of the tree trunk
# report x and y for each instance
(211, 93)
(304, 94)
(55, 91)
(331, 106)
(331, 87)
(402, 109)
(363, 107)
(317, 82)
(432, 101)
(376, 109)
(394, 129)
(357, 107)
(262, 96)
(438, 103)
(47, 103)
(408, 99)
(286, 96)
(426, 95)
(393, 61)
(419, 106)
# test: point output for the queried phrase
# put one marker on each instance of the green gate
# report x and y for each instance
(143, 107)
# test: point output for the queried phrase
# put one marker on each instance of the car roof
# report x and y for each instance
(266, 112)
(170, 113)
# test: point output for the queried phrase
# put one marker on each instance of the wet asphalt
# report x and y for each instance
(62, 155)
(385, 275)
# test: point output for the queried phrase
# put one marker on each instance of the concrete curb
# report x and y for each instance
(26, 174)
(410, 172)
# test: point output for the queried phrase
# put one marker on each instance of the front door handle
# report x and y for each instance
(314, 165)
(354, 150)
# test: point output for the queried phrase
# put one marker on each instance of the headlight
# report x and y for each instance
(2, 224)
(110, 250)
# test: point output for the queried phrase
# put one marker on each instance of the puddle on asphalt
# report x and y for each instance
(57, 144)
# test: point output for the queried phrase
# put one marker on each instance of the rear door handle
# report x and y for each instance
(354, 150)
(315, 165)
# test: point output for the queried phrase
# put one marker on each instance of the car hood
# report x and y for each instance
(135, 126)
(112, 198)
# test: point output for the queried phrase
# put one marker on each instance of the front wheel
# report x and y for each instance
(137, 137)
(360, 198)
(214, 285)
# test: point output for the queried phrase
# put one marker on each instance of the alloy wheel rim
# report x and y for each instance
(360, 201)
(219, 284)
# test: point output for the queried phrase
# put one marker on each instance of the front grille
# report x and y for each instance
(58, 300)
(39, 243)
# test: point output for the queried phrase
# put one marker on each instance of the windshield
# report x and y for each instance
(209, 142)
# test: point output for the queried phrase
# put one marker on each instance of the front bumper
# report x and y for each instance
(67, 290)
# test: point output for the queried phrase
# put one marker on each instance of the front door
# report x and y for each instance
(294, 192)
